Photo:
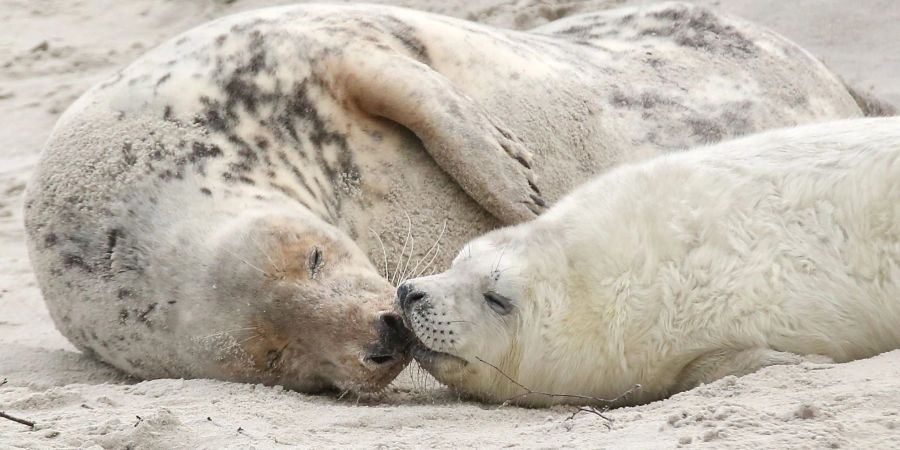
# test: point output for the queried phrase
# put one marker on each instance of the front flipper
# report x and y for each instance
(718, 364)
(472, 146)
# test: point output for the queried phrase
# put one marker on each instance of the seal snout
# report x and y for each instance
(393, 342)
(407, 295)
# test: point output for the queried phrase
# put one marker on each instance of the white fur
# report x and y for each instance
(684, 269)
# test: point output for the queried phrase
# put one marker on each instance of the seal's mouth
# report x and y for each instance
(424, 354)
(432, 360)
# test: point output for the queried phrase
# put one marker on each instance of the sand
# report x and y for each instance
(52, 50)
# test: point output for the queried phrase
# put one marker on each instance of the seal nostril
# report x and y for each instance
(414, 297)
(393, 337)
(380, 359)
(406, 296)
(411, 298)
(393, 322)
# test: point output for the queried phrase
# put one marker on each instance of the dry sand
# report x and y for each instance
(52, 50)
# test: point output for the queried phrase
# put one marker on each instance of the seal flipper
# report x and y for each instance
(717, 364)
(467, 142)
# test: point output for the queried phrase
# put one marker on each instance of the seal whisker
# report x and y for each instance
(421, 377)
(255, 336)
(412, 377)
(383, 252)
(262, 250)
(393, 279)
(265, 274)
(430, 262)
(500, 258)
(592, 407)
(403, 274)
(219, 333)
(436, 246)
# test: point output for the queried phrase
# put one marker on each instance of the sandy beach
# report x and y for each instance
(53, 50)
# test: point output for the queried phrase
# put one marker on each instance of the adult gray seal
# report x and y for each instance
(770, 249)
(206, 212)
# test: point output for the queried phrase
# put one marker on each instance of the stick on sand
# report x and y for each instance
(16, 419)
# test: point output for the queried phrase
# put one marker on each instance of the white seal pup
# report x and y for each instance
(679, 271)
(206, 211)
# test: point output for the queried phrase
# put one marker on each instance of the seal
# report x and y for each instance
(770, 249)
(209, 210)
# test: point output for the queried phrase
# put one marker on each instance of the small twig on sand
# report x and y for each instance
(3, 382)
(210, 420)
(139, 421)
(16, 419)
(594, 408)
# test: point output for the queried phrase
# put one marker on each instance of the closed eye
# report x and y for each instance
(272, 358)
(500, 304)
(315, 261)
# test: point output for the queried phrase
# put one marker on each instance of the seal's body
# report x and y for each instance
(679, 271)
(207, 211)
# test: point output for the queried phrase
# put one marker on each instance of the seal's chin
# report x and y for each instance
(373, 383)
(438, 364)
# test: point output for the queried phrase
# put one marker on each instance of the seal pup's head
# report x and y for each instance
(495, 306)
(305, 308)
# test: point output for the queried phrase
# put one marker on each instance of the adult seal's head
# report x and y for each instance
(306, 309)
(272, 295)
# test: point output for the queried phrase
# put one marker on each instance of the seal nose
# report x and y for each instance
(402, 292)
(407, 295)
(391, 328)
(393, 341)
